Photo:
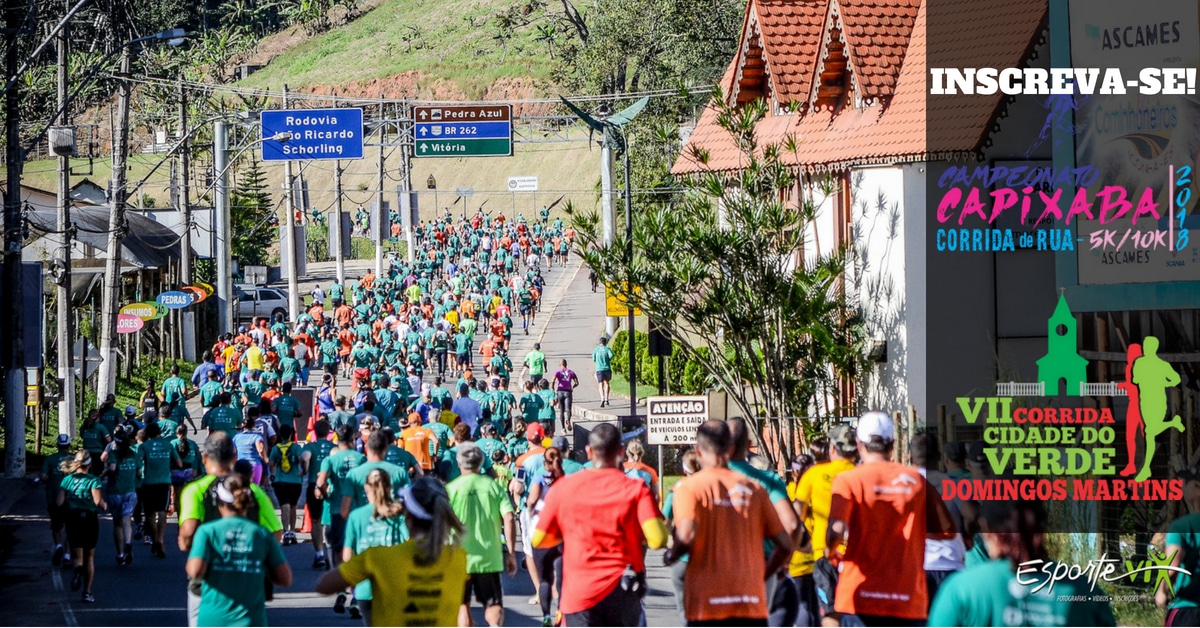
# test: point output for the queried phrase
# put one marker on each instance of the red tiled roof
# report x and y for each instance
(877, 34)
(791, 37)
(893, 129)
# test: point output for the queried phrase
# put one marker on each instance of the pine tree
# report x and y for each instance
(252, 216)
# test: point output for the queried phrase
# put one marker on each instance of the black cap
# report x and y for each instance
(975, 451)
(955, 451)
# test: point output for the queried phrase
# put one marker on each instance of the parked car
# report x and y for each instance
(253, 302)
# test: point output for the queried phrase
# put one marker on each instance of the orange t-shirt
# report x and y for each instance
(468, 309)
(344, 314)
(725, 570)
(318, 314)
(415, 440)
(883, 505)
(346, 337)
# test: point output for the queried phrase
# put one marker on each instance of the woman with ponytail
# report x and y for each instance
(433, 555)
(231, 556)
(991, 594)
(378, 524)
(81, 495)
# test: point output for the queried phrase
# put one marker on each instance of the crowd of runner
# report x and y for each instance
(423, 469)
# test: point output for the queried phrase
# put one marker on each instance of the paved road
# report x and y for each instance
(151, 592)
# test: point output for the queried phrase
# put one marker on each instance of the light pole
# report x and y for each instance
(222, 162)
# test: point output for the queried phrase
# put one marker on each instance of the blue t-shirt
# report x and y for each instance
(245, 444)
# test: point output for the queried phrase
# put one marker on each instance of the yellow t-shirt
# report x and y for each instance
(254, 358)
(408, 594)
(816, 490)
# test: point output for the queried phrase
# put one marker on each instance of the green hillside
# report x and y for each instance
(451, 40)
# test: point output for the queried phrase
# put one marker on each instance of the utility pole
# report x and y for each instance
(629, 280)
(288, 244)
(607, 215)
(336, 230)
(116, 232)
(380, 230)
(221, 210)
(11, 342)
(406, 137)
(185, 240)
(66, 335)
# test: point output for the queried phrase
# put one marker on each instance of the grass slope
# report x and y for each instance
(452, 40)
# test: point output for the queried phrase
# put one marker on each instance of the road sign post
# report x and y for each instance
(315, 134)
(465, 131)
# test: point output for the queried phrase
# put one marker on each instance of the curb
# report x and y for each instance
(549, 314)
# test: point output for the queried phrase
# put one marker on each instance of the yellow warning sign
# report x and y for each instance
(615, 304)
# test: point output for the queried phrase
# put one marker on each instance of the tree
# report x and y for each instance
(717, 269)
(251, 213)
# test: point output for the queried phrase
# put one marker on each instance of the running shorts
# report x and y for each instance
(287, 492)
(121, 505)
(486, 586)
(83, 529)
(463, 358)
(58, 516)
(155, 497)
(604, 376)
(315, 506)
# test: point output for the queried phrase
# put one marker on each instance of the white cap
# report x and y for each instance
(876, 423)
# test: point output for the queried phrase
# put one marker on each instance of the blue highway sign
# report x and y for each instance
(463, 131)
(315, 134)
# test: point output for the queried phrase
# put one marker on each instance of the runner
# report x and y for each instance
(81, 496)
(878, 536)
(690, 463)
(603, 520)
(311, 459)
(430, 555)
(190, 464)
(548, 560)
(331, 484)
(287, 477)
(200, 504)
(602, 358)
(52, 476)
(486, 512)
(231, 556)
(379, 523)
(726, 573)
(157, 458)
(565, 383)
(252, 447)
(122, 468)
(812, 571)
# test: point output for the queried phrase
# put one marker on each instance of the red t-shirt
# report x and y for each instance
(600, 522)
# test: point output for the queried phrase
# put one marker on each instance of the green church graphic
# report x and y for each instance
(1062, 360)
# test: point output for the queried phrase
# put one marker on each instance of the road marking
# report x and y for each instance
(146, 609)
(68, 614)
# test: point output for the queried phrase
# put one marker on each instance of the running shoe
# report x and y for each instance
(547, 621)
(339, 605)
(88, 598)
(534, 600)
(57, 559)
(157, 550)
(146, 540)
(319, 562)
(77, 581)
(120, 559)
(354, 612)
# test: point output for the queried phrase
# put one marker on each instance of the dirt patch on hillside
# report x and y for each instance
(272, 46)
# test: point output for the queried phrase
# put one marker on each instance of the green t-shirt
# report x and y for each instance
(537, 363)
(401, 458)
(254, 392)
(501, 402)
(356, 480)
(481, 503)
(1184, 532)
(222, 418)
(54, 475)
(292, 475)
(239, 554)
(289, 367)
(546, 412)
(287, 408)
(776, 489)
(336, 466)
(338, 418)
(94, 438)
(602, 356)
(209, 393)
(364, 531)
(78, 487)
(167, 427)
(191, 459)
(124, 481)
(317, 451)
(173, 389)
(462, 342)
(531, 407)
(983, 596)
(109, 418)
(157, 457)
(442, 396)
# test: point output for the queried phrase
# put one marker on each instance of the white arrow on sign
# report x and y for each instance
(424, 148)
(424, 131)
(423, 114)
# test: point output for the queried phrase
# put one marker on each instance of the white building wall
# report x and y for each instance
(818, 235)
(879, 196)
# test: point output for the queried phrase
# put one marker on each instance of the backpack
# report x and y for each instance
(287, 459)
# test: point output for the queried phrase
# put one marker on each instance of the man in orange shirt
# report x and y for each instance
(877, 531)
(416, 438)
(726, 572)
(344, 314)
(317, 311)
